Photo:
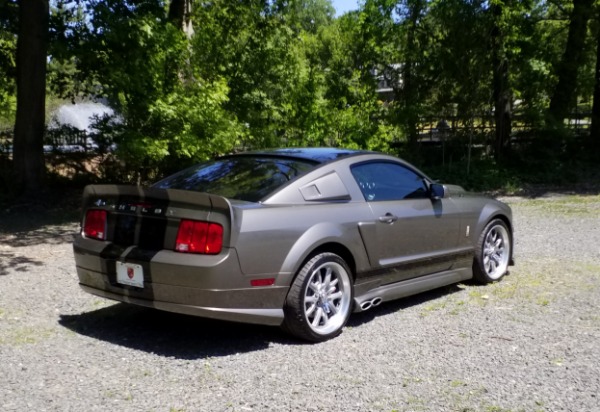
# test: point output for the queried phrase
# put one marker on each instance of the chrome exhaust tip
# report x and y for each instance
(368, 304)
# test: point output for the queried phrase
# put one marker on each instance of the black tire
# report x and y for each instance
(493, 252)
(319, 301)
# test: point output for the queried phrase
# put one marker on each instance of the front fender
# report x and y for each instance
(491, 211)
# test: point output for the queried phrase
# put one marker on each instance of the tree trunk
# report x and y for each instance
(180, 13)
(501, 90)
(564, 93)
(32, 45)
(595, 129)
(502, 106)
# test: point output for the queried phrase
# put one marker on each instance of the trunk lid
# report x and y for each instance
(149, 218)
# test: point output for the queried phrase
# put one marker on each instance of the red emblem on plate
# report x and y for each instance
(130, 272)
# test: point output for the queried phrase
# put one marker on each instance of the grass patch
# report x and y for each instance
(433, 307)
(571, 205)
(25, 336)
(538, 284)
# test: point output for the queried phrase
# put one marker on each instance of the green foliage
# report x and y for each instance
(290, 82)
(264, 73)
(167, 113)
(8, 47)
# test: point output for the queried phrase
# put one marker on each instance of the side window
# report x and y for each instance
(381, 181)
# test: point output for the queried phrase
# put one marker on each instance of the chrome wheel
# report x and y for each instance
(327, 298)
(319, 301)
(496, 252)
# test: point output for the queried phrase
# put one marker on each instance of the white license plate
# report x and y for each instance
(130, 274)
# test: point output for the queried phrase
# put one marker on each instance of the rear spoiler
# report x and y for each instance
(94, 194)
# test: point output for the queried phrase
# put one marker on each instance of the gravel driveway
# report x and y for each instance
(530, 342)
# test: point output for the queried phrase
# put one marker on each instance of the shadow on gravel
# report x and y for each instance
(52, 218)
(16, 263)
(53, 234)
(189, 337)
(173, 335)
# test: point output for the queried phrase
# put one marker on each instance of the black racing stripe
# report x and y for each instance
(113, 253)
(152, 233)
(124, 231)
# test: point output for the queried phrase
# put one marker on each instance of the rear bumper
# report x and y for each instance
(206, 286)
(272, 317)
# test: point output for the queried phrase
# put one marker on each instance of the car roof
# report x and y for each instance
(313, 154)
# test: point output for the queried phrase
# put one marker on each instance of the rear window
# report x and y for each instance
(241, 177)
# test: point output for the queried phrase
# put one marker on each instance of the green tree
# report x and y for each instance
(563, 96)
(501, 90)
(251, 45)
(358, 117)
(398, 36)
(459, 60)
(136, 55)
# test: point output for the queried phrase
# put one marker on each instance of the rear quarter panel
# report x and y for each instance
(278, 239)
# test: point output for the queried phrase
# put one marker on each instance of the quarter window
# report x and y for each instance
(380, 181)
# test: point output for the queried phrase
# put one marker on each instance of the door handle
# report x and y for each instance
(388, 218)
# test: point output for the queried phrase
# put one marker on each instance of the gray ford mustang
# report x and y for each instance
(293, 237)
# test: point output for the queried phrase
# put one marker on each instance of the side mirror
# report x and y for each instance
(437, 191)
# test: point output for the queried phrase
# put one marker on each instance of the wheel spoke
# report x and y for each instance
(333, 309)
(334, 296)
(310, 299)
(317, 319)
(311, 309)
(327, 279)
(492, 266)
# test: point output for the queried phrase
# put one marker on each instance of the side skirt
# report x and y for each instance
(409, 287)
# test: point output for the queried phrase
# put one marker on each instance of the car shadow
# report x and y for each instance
(189, 337)
(171, 334)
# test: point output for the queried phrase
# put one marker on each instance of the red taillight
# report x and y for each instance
(199, 237)
(94, 225)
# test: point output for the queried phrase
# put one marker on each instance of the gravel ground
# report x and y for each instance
(528, 343)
